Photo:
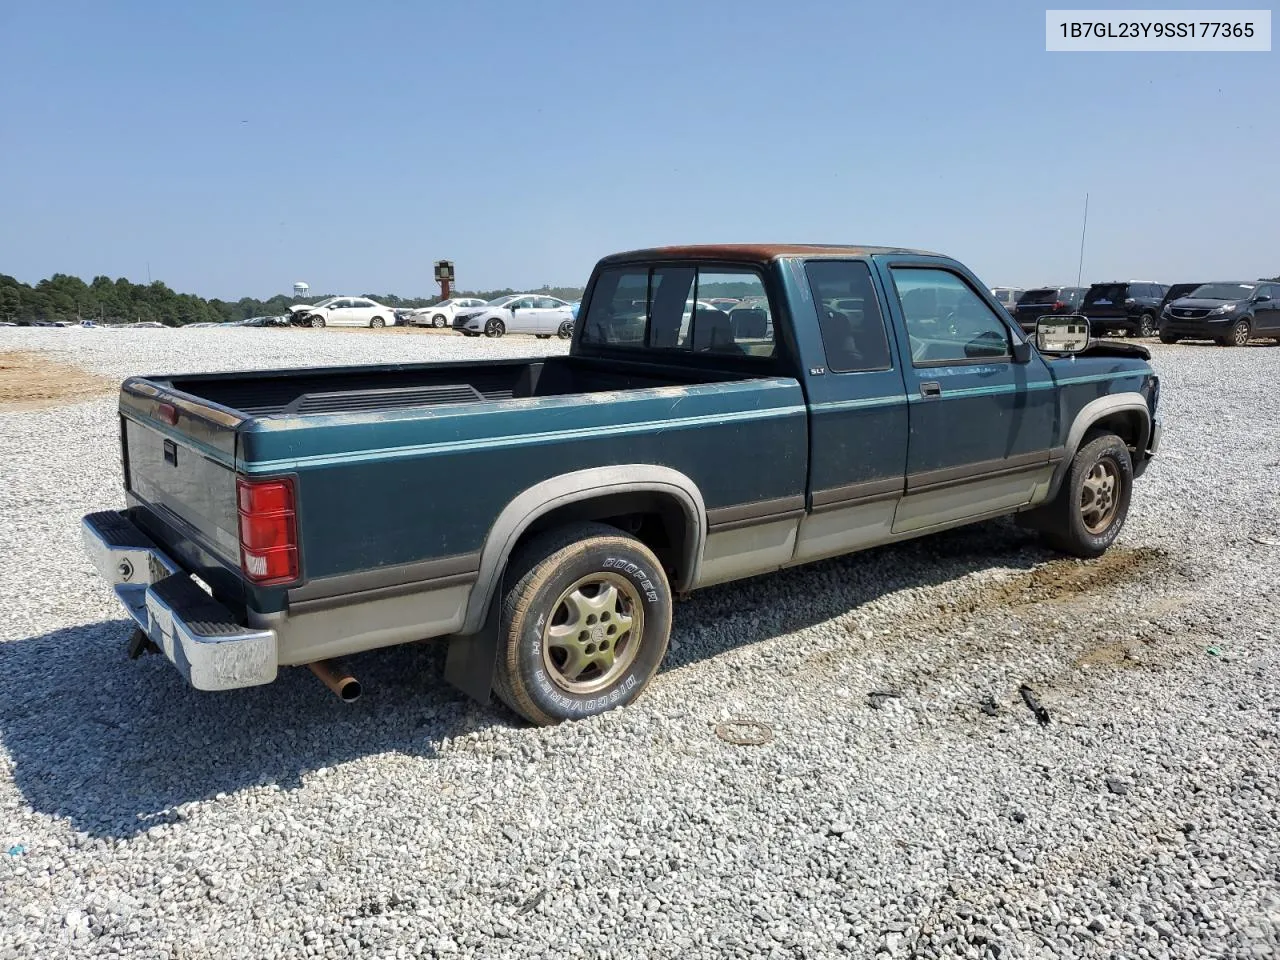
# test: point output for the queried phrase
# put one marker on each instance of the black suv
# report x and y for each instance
(1043, 301)
(1129, 305)
(1228, 312)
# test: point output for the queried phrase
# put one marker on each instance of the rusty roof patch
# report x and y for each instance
(756, 252)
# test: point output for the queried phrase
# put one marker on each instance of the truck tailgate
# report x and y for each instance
(180, 463)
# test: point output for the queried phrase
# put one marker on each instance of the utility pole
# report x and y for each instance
(1084, 227)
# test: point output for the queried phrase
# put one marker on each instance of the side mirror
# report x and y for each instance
(1262, 298)
(1063, 334)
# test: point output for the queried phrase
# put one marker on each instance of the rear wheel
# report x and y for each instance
(317, 322)
(543, 336)
(438, 321)
(584, 627)
(566, 330)
(1239, 335)
(377, 323)
(495, 328)
(1093, 501)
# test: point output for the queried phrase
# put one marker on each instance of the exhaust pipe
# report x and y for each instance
(336, 677)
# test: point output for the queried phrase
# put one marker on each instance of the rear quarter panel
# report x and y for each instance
(398, 487)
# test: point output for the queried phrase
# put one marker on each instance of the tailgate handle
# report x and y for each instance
(931, 388)
(171, 452)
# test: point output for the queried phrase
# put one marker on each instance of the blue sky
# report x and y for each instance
(237, 147)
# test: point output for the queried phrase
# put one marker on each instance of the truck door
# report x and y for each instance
(981, 421)
(857, 415)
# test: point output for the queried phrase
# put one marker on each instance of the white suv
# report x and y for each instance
(344, 312)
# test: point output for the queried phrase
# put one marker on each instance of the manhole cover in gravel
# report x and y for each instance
(744, 733)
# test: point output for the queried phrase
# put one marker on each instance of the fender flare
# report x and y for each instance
(1090, 414)
(540, 499)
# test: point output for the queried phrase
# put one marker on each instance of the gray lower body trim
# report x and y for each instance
(405, 577)
(759, 511)
(845, 527)
(744, 551)
(366, 623)
(955, 501)
(851, 494)
(975, 472)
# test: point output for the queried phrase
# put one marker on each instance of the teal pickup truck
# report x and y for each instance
(724, 411)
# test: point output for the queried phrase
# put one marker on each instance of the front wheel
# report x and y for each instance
(1093, 502)
(1239, 335)
(566, 330)
(317, 322)
(1168, 338)
(438, 321)
(495, 328)
(1147, 325)
(584, 627)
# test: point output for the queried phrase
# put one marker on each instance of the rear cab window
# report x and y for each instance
(849, 318)
(668, 307)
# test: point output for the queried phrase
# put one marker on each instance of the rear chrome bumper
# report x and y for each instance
(198, 634)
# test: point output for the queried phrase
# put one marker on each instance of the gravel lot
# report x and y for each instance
(142, 818)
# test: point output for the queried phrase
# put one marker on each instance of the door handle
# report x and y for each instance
(931, 388)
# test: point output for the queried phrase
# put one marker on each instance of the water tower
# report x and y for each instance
(300, 289)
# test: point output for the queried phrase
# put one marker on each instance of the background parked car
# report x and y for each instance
(1045, 301)
(1131, 306)
(441, 314)
(1008, 296)
(1228, 312)
(344, 312)
(530, 313)
(1176, 292)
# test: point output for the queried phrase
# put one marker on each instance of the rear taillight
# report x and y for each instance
(268, 530)
(168, 413)
(1059, 305)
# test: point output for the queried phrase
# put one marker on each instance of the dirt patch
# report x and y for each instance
(1066, 579)
(30, 381)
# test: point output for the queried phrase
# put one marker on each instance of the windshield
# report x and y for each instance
(1223, 291)
(502, 301)
(326, 301)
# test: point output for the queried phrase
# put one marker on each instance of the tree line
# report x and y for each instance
(63, 297)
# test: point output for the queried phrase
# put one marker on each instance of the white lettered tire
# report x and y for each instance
(585, 624)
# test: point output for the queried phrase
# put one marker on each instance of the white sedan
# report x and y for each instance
(530, 313)
(344, 312)
(441, 314)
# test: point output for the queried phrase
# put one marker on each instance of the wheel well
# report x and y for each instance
(1128, 425)
(657, 520)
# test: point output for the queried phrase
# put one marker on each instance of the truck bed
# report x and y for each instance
(293, 393)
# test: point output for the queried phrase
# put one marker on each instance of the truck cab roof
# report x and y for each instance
(756, 252)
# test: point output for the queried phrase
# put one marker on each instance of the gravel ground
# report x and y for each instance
(145, 819)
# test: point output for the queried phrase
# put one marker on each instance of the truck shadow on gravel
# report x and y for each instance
(116, 747)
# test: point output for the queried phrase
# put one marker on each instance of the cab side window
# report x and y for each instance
(946, 320)
(853, 333)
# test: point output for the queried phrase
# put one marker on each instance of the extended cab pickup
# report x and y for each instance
(541, 514)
